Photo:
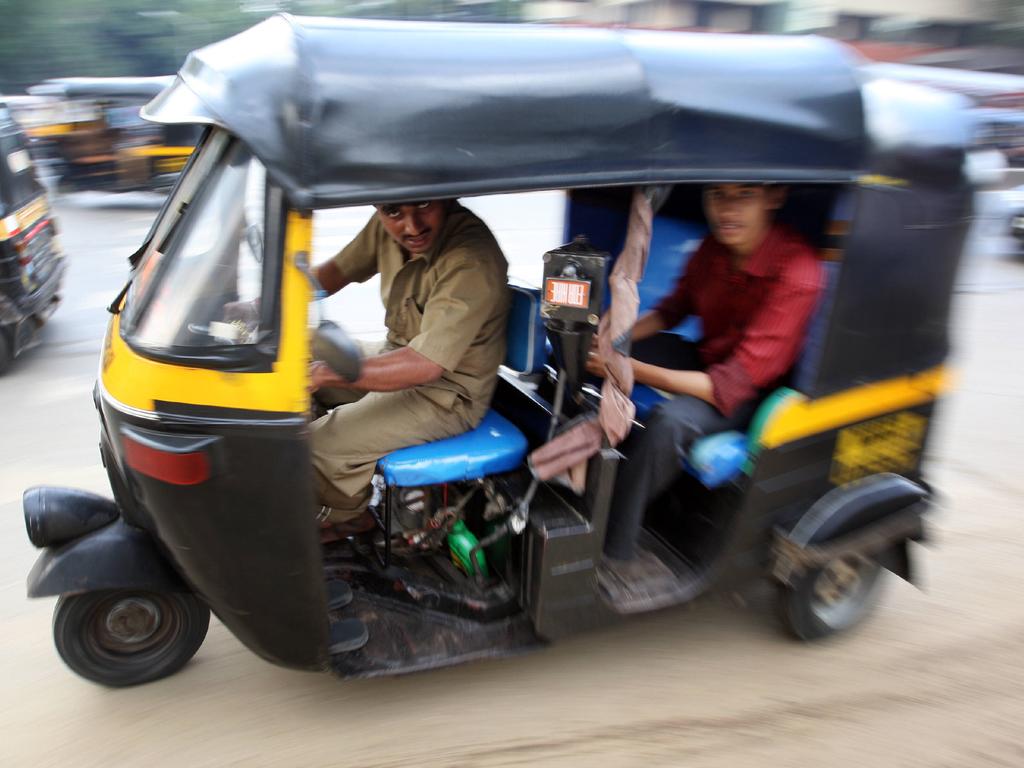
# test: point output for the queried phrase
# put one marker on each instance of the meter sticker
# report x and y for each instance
(889, 444)
(567, 293)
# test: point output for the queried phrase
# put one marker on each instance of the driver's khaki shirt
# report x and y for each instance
(450, 304)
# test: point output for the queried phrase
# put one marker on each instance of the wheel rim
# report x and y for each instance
(130, 626)
(842, 589)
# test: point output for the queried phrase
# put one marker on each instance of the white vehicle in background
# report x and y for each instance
(1015, 203)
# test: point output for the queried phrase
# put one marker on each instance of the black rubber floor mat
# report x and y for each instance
(407, 639)
(641, 597)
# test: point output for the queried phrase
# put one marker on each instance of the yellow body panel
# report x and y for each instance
(26, 216)
(169, 164)
(159, 151)
(800, 417)
(45, 131)
(137, 382)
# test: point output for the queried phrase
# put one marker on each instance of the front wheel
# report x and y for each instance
(834, 598)
(120, 638)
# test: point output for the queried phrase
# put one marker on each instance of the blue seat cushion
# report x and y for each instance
(713, 459)
(494, 446)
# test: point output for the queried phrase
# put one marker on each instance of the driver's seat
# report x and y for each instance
(496, 444)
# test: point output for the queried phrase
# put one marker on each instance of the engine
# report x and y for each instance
(454, 517)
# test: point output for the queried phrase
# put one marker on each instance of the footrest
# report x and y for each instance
(346, 635)
(339, 594)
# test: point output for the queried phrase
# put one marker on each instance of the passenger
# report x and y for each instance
(754, 284)
(443, 284)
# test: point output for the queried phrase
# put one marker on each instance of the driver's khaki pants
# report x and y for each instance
(362, 428)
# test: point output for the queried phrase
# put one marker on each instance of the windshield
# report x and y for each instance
(203, 289)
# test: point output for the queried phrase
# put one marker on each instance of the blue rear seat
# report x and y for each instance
(495, 445)
(717, 459)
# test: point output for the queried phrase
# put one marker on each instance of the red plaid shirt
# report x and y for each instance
(754, 318)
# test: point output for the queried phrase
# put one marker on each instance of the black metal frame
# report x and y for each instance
(253, 358)
(385, 526)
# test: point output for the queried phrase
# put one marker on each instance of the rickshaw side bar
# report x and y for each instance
(800, 417)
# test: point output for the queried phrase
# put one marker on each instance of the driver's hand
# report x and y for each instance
(320, 375)
(595, 365)
(247, 312)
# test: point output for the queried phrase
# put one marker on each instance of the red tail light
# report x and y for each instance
(190, 468)
(37, 229)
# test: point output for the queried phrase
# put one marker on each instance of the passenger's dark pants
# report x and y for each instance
(654, 456)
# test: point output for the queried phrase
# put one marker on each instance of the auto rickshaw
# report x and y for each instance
(97, 140)
(205, 420)
(31, 261)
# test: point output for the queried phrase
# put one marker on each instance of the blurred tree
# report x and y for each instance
(1009, 30)
(64, 38)
(103, 38)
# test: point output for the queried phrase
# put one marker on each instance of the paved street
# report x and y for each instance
(935, 679)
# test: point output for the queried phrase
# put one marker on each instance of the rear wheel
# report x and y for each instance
(120, 638)
(833, 598)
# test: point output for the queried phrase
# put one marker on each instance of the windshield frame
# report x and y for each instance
(258, 357)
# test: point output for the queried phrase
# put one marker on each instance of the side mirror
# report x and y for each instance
(336, 348)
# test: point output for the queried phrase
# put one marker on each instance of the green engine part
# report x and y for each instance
(461, 542)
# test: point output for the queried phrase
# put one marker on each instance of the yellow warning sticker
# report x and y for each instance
(888, 444)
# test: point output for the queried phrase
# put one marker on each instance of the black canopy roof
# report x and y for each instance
(135, 89)
(344, 111)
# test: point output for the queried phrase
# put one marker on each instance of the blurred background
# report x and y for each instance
(58, 38)
(975, 47)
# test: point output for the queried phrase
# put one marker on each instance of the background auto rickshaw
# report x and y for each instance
(97, 140)
(31, 262)
(204, 419)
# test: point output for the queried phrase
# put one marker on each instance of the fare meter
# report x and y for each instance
(574, 287)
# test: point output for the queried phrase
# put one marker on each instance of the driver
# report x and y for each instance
(443, 284)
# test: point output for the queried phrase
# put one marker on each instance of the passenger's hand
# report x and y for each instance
(595, 365)
(320, 375)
